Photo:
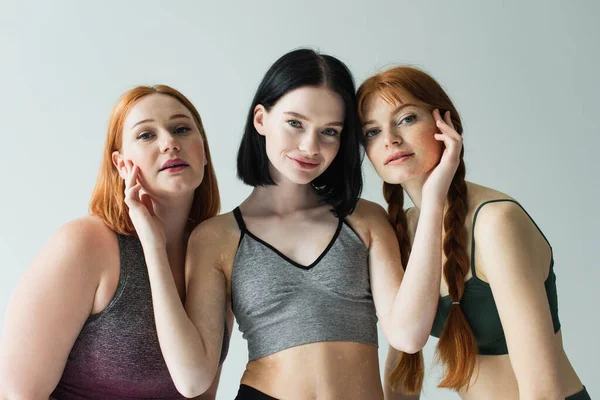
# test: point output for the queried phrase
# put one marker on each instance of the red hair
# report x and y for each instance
(108, 198)
(456, 350)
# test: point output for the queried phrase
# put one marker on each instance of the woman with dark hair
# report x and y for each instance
(499, 296)
(305, 266)
(81, 324)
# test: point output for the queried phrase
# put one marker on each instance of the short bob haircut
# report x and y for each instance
(341, 184)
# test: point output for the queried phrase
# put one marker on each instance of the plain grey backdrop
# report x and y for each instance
(523, 75)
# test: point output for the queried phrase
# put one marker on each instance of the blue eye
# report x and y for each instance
(182, 130)
(145, 135)
(294, 123)
(408, 119)
(330, 132)
(371, 133)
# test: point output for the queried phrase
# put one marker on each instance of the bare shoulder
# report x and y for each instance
(87, 239)
(367, 210)
(369, 220)
(478, 194)
(505, 219)
(77, 262)
(220, 228)
(89, 229)
(214, 242)
(51, 303)
(365, 214)
(495, 210)
(504, 226)
(499, 217)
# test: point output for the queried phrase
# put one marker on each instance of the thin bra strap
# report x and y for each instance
(475, 219)
(237, 213)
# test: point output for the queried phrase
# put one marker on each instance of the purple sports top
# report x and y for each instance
(117, 355)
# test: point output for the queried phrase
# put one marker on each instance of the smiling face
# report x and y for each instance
(302, 133)
(161, 138)
(399, 138)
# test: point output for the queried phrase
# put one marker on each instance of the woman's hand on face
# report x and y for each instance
(437, 184)
(149, 227)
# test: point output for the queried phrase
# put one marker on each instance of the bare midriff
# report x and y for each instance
(323, 370)
(496, 379)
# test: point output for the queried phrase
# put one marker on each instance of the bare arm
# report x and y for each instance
(406, 302)
(211, 393)
(191, 338)
(515, 258)
(48, 308)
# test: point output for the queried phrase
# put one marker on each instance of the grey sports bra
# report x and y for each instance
(279, 303)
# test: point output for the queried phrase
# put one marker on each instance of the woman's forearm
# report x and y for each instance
(191, 356)
(416, 302)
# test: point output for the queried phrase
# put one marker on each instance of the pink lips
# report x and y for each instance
(174, 165)
(398, 157)
(304, 163)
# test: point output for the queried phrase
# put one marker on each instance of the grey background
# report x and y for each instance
(524, 76)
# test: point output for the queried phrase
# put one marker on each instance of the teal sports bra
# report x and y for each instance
(480, 309)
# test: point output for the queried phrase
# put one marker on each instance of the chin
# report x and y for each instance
(397, 178)
(301, 179)
(176, 190)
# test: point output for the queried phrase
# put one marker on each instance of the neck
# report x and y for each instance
(414, 190)
(174, 213)
(286, 197)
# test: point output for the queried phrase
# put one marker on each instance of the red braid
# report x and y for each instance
(457, 349)
(407, 374)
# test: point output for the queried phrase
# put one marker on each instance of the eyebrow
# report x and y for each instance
(396, 111)
(175, 116)
(300, 116)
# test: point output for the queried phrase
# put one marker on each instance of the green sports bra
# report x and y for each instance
(479, 307)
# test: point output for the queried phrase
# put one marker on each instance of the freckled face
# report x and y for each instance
(399, 139)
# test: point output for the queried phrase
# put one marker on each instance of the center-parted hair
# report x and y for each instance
(341, 184)
(456, 348)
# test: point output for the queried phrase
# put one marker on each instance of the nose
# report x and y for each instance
(310, 143)
(391, 138)
(169, 143)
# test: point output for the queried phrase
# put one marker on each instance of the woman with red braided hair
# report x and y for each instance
(497, 318)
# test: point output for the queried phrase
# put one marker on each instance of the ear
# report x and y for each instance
(259, 119)
(119, 163)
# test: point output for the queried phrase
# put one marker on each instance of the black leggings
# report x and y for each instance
(583, 395)
(249, 393)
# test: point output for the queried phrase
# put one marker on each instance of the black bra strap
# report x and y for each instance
(238, 217)
(475, 219)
